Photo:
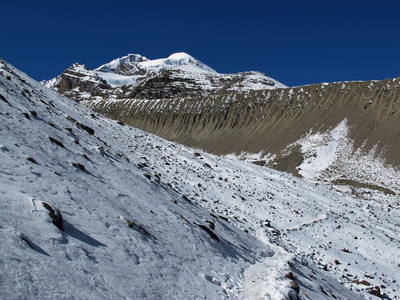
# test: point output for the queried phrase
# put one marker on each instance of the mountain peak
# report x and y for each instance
(184, 59)
(131, 63)
(179, 55)
(122, 65)
(180, 74)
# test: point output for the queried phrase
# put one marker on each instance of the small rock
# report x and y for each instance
(361, 281)
(56, 217)
(211, 225)
(79, 166)
(290, 275)
(374, 291)
(58, 143)
(295, 286)
(32, 160)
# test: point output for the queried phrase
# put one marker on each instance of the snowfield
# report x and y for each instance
(144, 218)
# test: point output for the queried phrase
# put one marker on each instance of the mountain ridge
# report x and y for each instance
(134, 76)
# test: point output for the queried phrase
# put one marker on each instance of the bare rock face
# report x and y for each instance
(76, 80)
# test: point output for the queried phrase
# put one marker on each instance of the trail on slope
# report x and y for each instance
(266, 279)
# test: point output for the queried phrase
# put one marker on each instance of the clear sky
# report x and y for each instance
(296, 42)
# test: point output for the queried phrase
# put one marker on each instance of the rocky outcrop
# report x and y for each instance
(77, 82)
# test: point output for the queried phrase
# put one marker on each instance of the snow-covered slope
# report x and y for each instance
(145, 218)
(343, 135)
(127, 232)
(135, 76)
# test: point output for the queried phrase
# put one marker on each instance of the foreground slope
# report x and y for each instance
(127, 234)
(149, 219)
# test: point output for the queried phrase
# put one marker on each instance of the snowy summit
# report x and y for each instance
(134, 76)
(132, 62)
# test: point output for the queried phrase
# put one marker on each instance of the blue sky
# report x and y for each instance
(295, 42)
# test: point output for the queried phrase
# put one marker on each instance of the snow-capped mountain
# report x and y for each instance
(134, 64)
(143, 218)
(136, 77)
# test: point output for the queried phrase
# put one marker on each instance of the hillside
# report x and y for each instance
(127, 232)
(339, 134)
(143, 218)
(345, 132)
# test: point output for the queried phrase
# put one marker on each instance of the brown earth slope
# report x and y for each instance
(270, 120)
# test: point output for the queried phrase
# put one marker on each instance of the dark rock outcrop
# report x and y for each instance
(55, 215)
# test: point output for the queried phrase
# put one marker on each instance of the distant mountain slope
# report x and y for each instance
(344, 133)
(273, 125)
(135, 76)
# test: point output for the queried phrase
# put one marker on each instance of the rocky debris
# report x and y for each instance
(361, 281)
(55, 215)
(290, 275)
(295, 286)
(80, 125)
(79, 166)
(374, 291)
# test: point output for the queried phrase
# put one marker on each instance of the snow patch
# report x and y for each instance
(321, 150)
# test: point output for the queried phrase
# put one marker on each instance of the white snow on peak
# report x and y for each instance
(115, 64)
(184, 59)
(175, 61)
(78, 67)
(180, 55)
(128, 69)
